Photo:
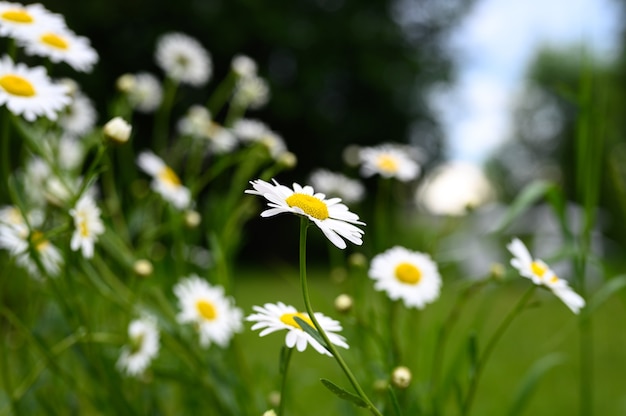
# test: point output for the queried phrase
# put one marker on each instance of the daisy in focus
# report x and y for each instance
(143, 336)
(183, 59)
(330, 215)
(273, 317)
(88, 225)
(29, 92)
(213, 314)
(17, 19)
(541, 274)
(164, 180)
(388, 161)
(60, 45)
(337, 184)
(408, 275)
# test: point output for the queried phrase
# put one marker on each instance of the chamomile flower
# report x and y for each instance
(80, 116)
(243, 66)
(273, 317)
(408, 275)
(255, 131)
(24, 243)
(164, 180)
(337, 184)
(196, 122)
(252, 92)
(214, 315)
(183, 59)
(146, 93)
(541, 274)
(88, 225)
(60, 45)
(29, 92)
(17, 19)
(143, 347)
(388, 161)
(330, 215)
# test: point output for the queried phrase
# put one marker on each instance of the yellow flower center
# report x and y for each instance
(287, 318)
(309, 204)
(17, 16)
(408, 273)
(206, 310)
(538, 269)
(55, 41)
(83, 229)
(16, 85)
(38, 241)
(387, 163)
(168, 176)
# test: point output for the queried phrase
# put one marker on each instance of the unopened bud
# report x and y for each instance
(357, 260)
(288, 160)
(125, 83)
(274, 398)
(143, 268)
(117, 130)
(192, 218)
(270, 412)
(497, 271)
(343, 303)
(401, 377)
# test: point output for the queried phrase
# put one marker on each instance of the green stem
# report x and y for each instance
(480, 365)
(304, 223)
(5, 150)
(284, 363)
(161, 121)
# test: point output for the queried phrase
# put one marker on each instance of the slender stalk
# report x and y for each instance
(304, 223)
(480, 365)
(285, 360)
(161, 121)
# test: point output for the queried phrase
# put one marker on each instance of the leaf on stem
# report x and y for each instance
(343, 394)
(311, 331)
(530, 381)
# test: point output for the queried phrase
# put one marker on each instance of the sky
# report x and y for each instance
(493, 46)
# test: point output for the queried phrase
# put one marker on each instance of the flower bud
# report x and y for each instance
(343, 303)
(143, 268)
(401, 377)
(288, 160)
(357, 260)
(117, 130)
(125, 83)
(192, 218)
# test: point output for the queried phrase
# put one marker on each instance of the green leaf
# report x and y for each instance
(603, 294)
(394, 401)
(532, 193)
(530, 381)
(472, 352)
(311, 331)
(343, 394)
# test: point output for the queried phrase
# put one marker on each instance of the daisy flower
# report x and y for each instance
(80, 116)
(337, 184)
(221, 139)
(408, 275)
(330, 215)
(24, 243)
(388, 161)
(243, 66)
(145, 94)
(29, 92)
(88, 225)
(251, 92)
(255, 131)
(213, 314)
(541, 274)
(143, 336)
(183, 59)
(195, 122)
(60, 45)
(164, 180)
(273, 317)
(17, 19)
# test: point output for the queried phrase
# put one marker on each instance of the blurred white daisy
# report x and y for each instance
(388, 161)
(273, 317)
(30, 247)
(60, 45)
(337, 184)
(183, 59)
(330, 215)
(221, 139)
(243, 66)
(164, 180)
(142, 348)
(29, 92)
(408, 275)
(87, 225)
(146, 93)
(214, 315)
(541, 274)
(70, 152)
(17, 19)
(196, 122)
(254, 131)
(80, 116)
(251, 92)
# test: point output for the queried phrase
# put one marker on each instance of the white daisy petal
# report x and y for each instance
(164, 180)
(183, 59)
